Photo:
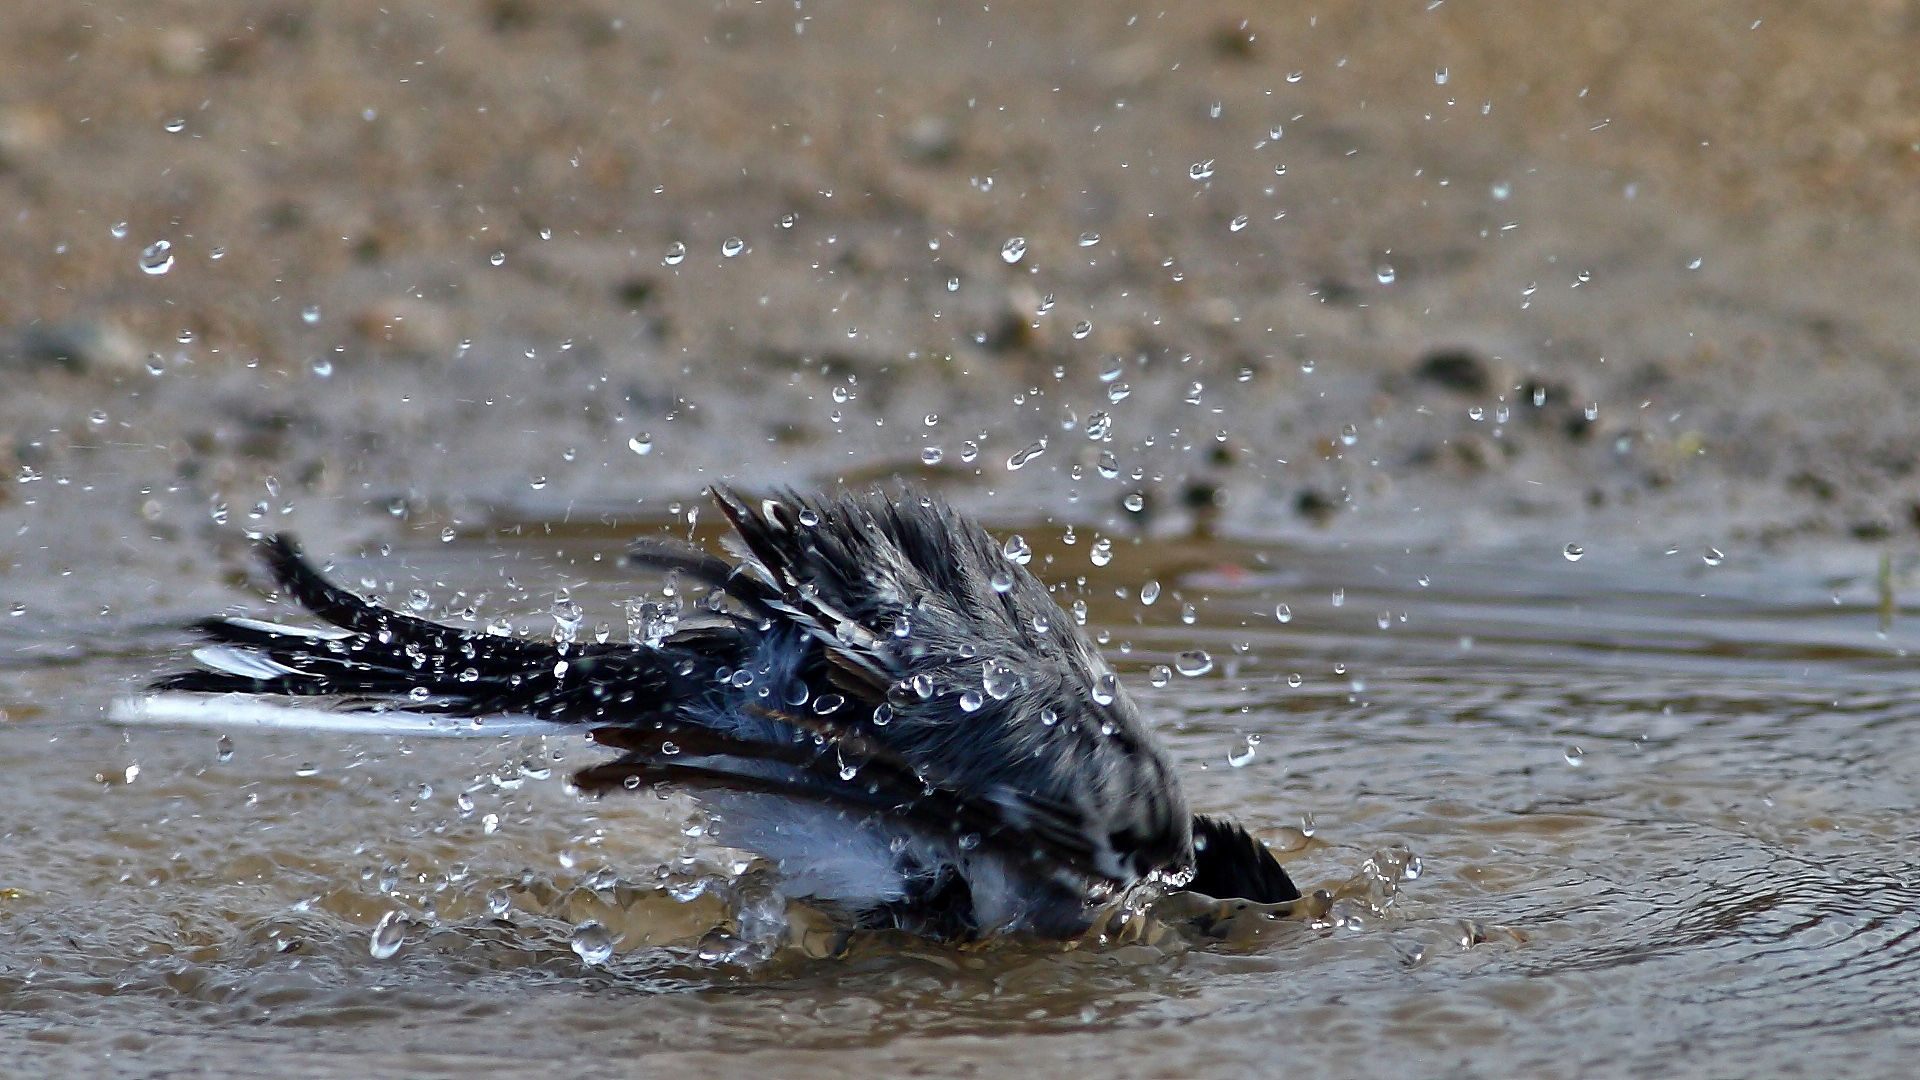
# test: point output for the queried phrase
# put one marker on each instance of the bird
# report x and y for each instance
(879, 700)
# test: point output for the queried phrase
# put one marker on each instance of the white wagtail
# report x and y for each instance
(882, 704)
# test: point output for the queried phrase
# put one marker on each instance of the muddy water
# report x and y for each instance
(1663, 813)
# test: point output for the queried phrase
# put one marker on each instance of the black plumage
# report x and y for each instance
(887, 707)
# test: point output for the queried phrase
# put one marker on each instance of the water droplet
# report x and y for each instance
(118, 231)
(1149, 593)
(1048, 717)
(676, 254)
(998, 679)
(1108, 465)
(1102, 552)
(732, 246)
(953, 284)
(1160, 675)
(969, 450)
(1081, 329)
(1099, 424)
(1193, 663)
(1013, 250)
(1440, 77)
(592, 943)
(1019, 460)
(498, 258)
(322, 366)
(1201, 170)
(1476, 413)
(157, 258)
(1714, 557)
(642, 443)
(1240, 758)
(97, 418)
(1195, 390)
(1573, 552)
(1283, 613)
(1349, 435)
(970, 701)
(1002, 580)
(1384, 274)
(931, 455)
(1294, 76)
(310, 314)
(1575, 756)
(537, 483)
(1105, 688)
(1275, 132)
(1294, 680)
(388, 935)
(1134, 502)
(217, 253)
(1118, 392)
(176, 125)
(1384, 619)
(1016, 550)
(1088, 239)
(223, 750)
(786, 221)
(1339, 597)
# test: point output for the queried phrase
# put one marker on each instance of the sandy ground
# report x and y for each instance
(1459, 272)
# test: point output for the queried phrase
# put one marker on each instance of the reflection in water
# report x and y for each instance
(1559, 819)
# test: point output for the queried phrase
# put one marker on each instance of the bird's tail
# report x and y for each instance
(393, 663)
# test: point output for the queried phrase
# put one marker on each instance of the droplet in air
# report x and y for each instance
(1283, 613)
(1573, 552)
(1575, 756)
(786, 221)
(1099, 424)
(1088, 239)
(1240, 758)
(1134, 502)
(732, 246)
(1149, 593)
(498, 258)
(118, 231)
(1384, 274)
(1016, 550)
(592, 943)
(223, 750)
(1440, 77)
(1201, 170)
(1013, 250)
(1476, 413)
(1108, 465)
(176, 125)
(676, 254)
(1105, 688)
(1349, 435)
(931, 455)
(1118, 392)
(1019, 460)
(537, 483)
(999, 679)
(1500, 190)
(1294, 680)
(310, 314)
(1159, 675)
(1081, 329)
(1237, 223)
(953, 284)
(388, 935)
(1193, 663)
(1714, 557)
(1339, 597)
(1102, 552)
(157, 258)
(641, 444)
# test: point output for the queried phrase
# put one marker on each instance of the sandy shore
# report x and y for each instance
(1465, 273)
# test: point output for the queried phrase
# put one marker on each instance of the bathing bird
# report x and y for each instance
(877, 698)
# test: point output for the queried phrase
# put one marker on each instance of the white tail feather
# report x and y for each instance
(239, 710)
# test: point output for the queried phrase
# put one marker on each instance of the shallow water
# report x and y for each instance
(1663, 811)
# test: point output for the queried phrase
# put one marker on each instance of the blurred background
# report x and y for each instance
(1453, 272)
